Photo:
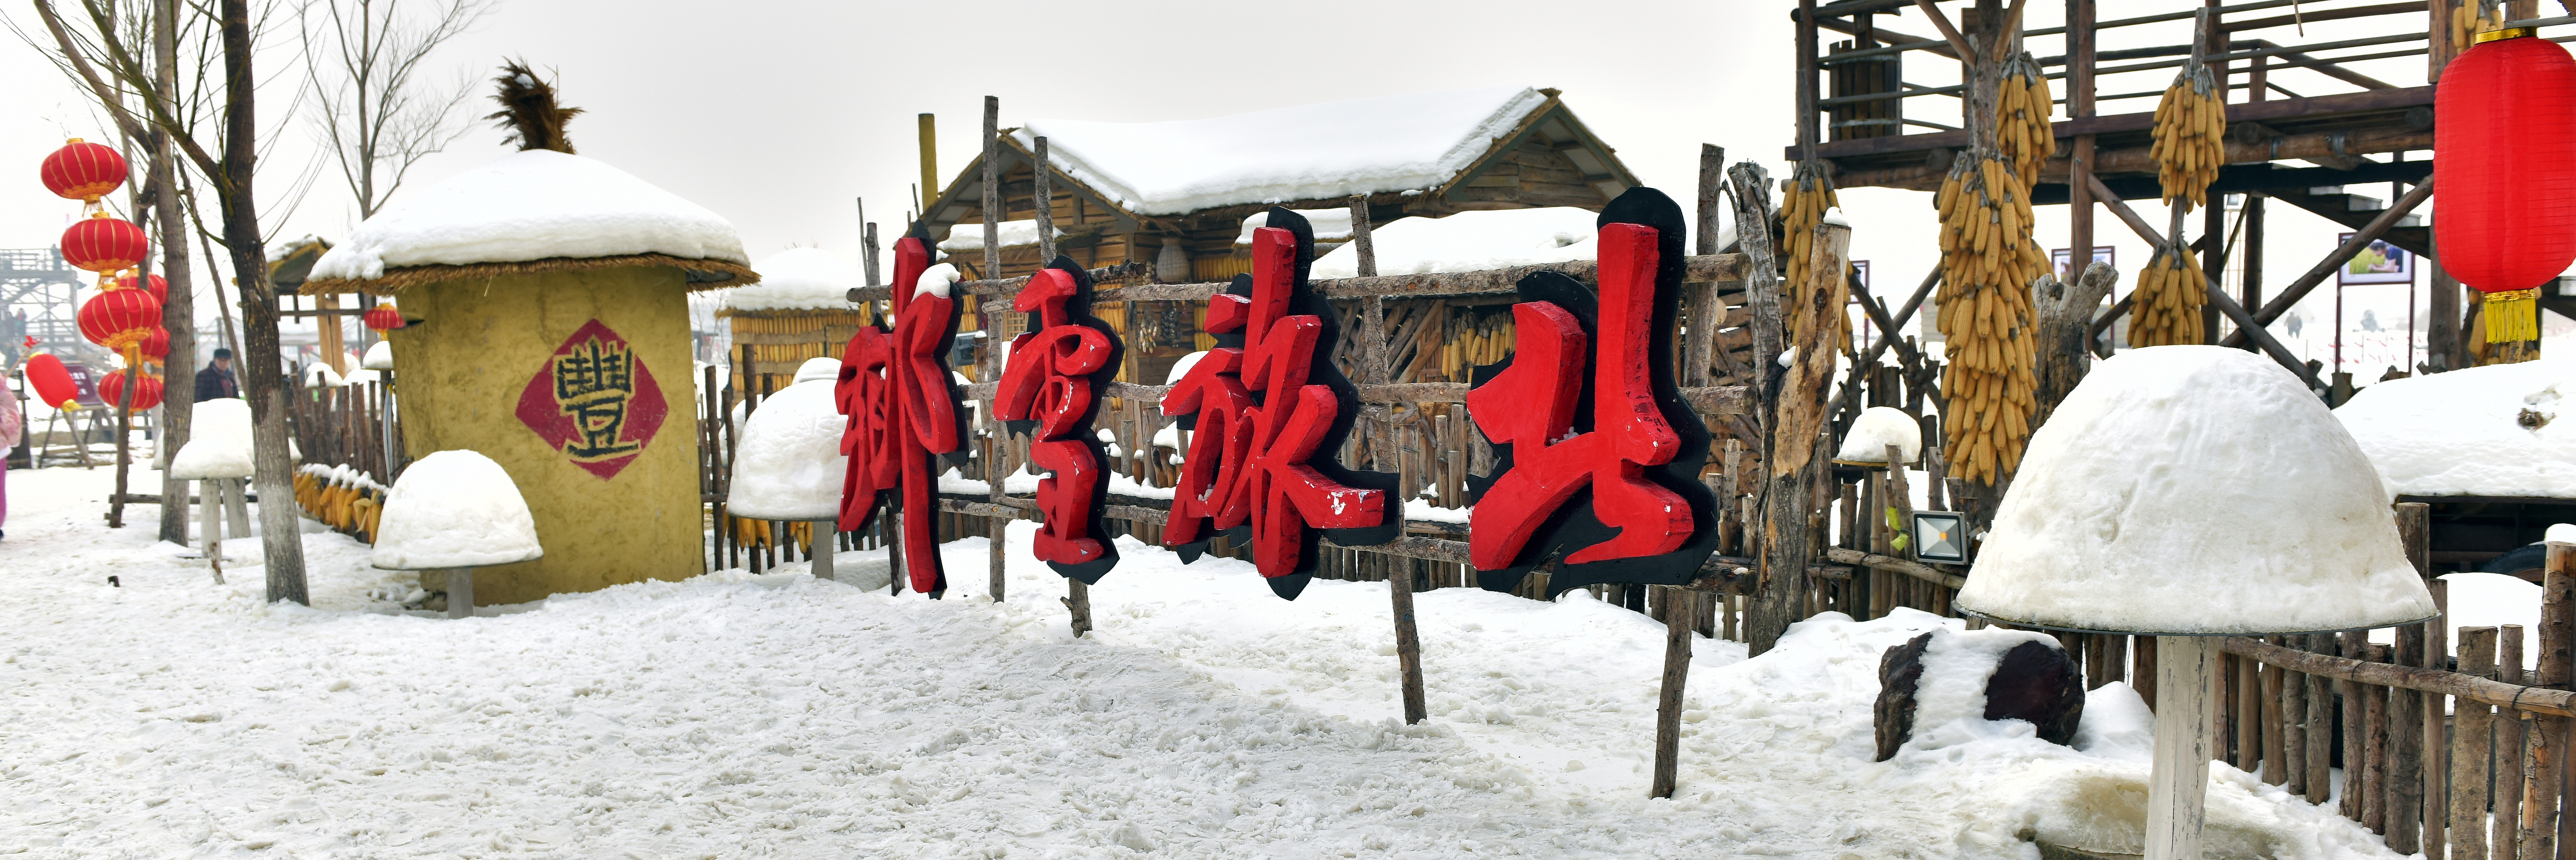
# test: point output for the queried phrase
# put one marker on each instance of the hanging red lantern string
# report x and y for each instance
(105, 245)
(384, 318)
(157, 346)
(111, 389)
(121, 319)
(160, 287)
(2504, 161)
(83, 171)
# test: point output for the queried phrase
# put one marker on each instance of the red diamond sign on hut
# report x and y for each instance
(594, 401)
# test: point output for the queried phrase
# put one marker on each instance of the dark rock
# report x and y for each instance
(2034, 681)
(1893, 715)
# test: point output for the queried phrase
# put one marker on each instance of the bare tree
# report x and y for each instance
(371, 104)
(120, 79)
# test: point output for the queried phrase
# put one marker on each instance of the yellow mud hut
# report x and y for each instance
(546, 295)
(799, 310)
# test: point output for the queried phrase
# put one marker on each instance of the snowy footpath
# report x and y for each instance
(777, 715)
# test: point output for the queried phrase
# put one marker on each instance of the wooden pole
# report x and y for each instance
(2079, 105)
(2406, 808)
(2354, 645)
(1681, 608)
(209, 500)
(2505, 832)
(2187, 669)
(929, 164)
(1399, 580)
(820, 552)
(1044, 200)
(996, 445)
(2547, 735)
(2471, 746)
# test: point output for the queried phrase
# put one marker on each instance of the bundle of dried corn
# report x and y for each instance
(2022, 107)
(2471, 17)
(2165, 309)
(1810, 193)
(1988, 261)
(2191, 124)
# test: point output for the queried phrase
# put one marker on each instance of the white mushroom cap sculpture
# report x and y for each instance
(2190, 492)
(218, 442)
(456, 511)
(789, 465)
(1875, 429)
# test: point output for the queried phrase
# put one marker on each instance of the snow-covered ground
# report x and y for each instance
(777, 715)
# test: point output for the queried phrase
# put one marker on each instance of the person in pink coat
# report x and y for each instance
(10, 429)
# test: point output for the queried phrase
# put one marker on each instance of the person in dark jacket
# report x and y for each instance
(216, 380)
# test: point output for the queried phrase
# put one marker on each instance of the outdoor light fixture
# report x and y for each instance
(1940, 536)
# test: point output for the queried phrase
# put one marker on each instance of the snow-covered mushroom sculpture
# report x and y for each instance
(2134, 512)
(217, 454)
(1877, 428)
(788, 464)
(455, 511)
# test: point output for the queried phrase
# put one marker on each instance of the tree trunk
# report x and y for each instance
(178, 314)
(2065, 314)
(281, 537)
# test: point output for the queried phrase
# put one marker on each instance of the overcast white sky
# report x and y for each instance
(777, 114)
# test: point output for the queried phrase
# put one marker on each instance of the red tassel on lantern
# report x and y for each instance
(111, 390)
(120, 319)
(160, 287)
(83, 171)
(103, 244)
(384, 318)
(2504, 173)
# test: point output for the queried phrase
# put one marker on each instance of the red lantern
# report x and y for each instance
(2504, 173)
(384, 318)
(83, 171)
(160, 287)
(102, 244)
(157, 347)
(111, 390)
(120, 319)
(52, 381)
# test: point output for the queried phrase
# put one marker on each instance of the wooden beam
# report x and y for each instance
(2334, 262)
(1941, 22)
(2532, 700)
(2245, 322)
(2309, 107)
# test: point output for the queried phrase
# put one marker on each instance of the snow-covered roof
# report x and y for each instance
(1310, 152)
(969, 235)
(1328, 224)
(2480, 431)
(1470, 241)
(788, 465)
(2194, 490)
(798, 279)
(455, 509)
(531, 205)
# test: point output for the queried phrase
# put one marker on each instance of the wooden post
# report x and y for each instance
(1680, 609)
(2065, 318)
(1045, 203)
(2318, 724)
(2409, 820)
(996, 528)
(2079, 105)
(209, 504)
(2354, 645)
(2471, 745)
(460, 592)
(2374, 749)
(2187, 669)
(929, 163)
(2546, 736)
(2248, 700)
(1399, 579)
(2505, 835)
(2293, 717)
(819, 554)
(1796, 407)
(1077, 601)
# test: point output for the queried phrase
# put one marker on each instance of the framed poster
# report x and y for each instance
(2063, 260)
(1861, 268)
(2381, 263)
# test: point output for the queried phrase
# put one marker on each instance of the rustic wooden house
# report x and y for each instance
(1177, 194)
(800, 310)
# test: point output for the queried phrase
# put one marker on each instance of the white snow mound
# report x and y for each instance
(2480, 431)
(218, 441)
(531, 205)
(1950, 698)
(1323, 151)
(819, 368)
(799, 279)
(1472, 241)
(379, 356)
(2194, 490)
(1875, 429)
(789, 464)
(969, 235)
(455, 509)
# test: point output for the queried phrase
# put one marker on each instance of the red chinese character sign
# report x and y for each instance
(1051, 392)
(897, 390)
(594, 401)
(1596, 456)
(1260, 406)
